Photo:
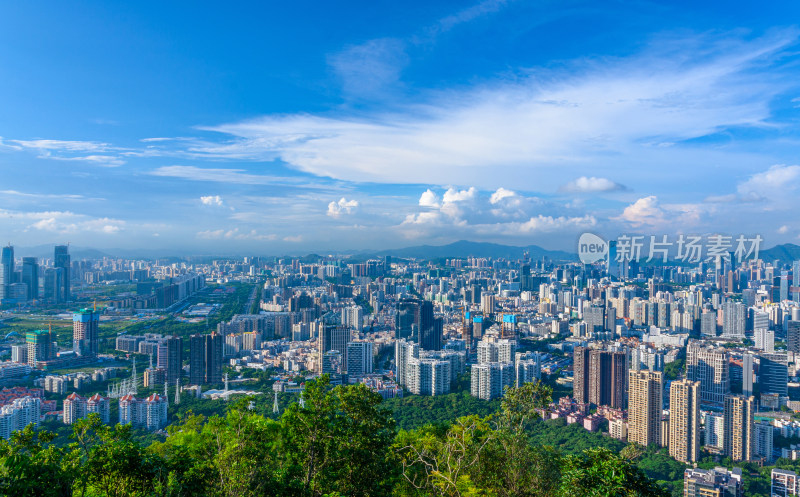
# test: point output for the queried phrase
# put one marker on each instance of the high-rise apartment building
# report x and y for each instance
(773, 374)
(100, 405)
(710, 366)
(734, 319)
(489, 380)
(403, 352)
(74, 408)
(684, 420)
(738, 442)
(85, 332)
(205, 358)
(528, 368)
(170, 358)
(359, 359)
(607, 374)
(580, 374)
(645, 404)
(428, 376)
(40, 346)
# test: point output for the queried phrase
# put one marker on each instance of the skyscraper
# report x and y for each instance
(6, 271)
(709, 366)
(734, 319)
(30, 276)
(793, 336)
(404, 351)
(738, 440)
(205, 358)
(607, 374)
(580, 375)
(61, 260)
(773, 374)
(40, 346)
(333, 337)
(170, 357)
(85, 334)
(359, 359)
(414, 319)
(684, 420)
(644, 407)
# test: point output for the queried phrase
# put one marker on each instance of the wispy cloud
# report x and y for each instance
(63, 222)
(99, 153)
(586, 184)
(220, 175)
(608, 112)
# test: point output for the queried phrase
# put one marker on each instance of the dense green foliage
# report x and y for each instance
(343, 441)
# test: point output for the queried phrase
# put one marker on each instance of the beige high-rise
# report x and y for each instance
(645, 405)
(684, 420)
(738, 434)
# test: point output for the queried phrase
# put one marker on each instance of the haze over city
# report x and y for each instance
(288, 128)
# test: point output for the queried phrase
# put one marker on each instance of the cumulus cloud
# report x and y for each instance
(342, 207)
(429, 199)
(500, 194)
(212, 200)
(586, 184)
(649, 212)
(645, 211)
(501, 213)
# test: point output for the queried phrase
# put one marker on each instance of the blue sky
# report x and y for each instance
(297, 126)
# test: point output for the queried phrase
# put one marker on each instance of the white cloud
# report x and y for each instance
(592, 184)
(429, 199)
(783, 230)
(65, 150)
(550, 223)
(649, 212)
(599, 115)
(370, 68)
(211, 234)
(500, 194)
(342, 207)
(212, 200)
(293, 239)
(644, 212)
(220, 175)
(770, 183)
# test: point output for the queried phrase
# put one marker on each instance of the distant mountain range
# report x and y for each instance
(465, 248)
(785, 253)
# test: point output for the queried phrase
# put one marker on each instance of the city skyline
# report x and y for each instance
(365, 126)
